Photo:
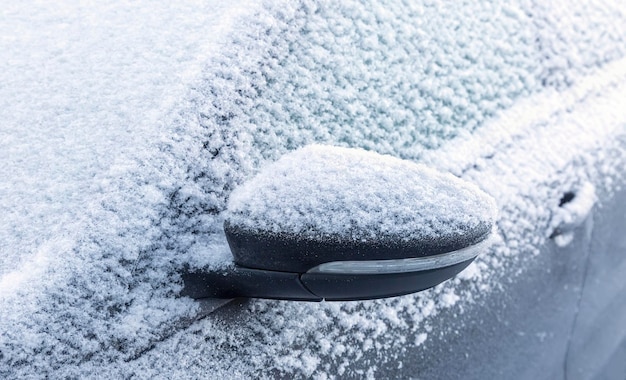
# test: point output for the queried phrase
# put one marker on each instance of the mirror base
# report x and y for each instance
(239, 281)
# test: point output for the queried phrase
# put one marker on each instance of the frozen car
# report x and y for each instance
(125, 128)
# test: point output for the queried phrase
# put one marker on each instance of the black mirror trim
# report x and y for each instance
(237, 281)
(291, 253)
(347, 287)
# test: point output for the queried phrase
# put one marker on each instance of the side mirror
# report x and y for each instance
(346, 224)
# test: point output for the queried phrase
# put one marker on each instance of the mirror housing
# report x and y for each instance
(346, 224)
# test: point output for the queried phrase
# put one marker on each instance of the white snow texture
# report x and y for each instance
(125, 127)
(320, 192)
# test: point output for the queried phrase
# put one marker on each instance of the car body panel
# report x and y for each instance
(513, 315)
(598, 342)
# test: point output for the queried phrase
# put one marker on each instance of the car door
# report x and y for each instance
(598, 342)
(512, 314)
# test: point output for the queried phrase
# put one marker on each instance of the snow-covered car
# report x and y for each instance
(126, 127)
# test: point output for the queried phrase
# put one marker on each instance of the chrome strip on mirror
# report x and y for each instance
(415, 264)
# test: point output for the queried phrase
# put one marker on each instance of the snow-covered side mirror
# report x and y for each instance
(336, 223)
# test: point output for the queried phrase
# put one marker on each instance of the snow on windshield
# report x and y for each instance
(82, 85)
(125, 128)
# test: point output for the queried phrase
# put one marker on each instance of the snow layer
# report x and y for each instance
(82, 84)
(86, 92)
(331, 340)
(319, 192)
(114, 182)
